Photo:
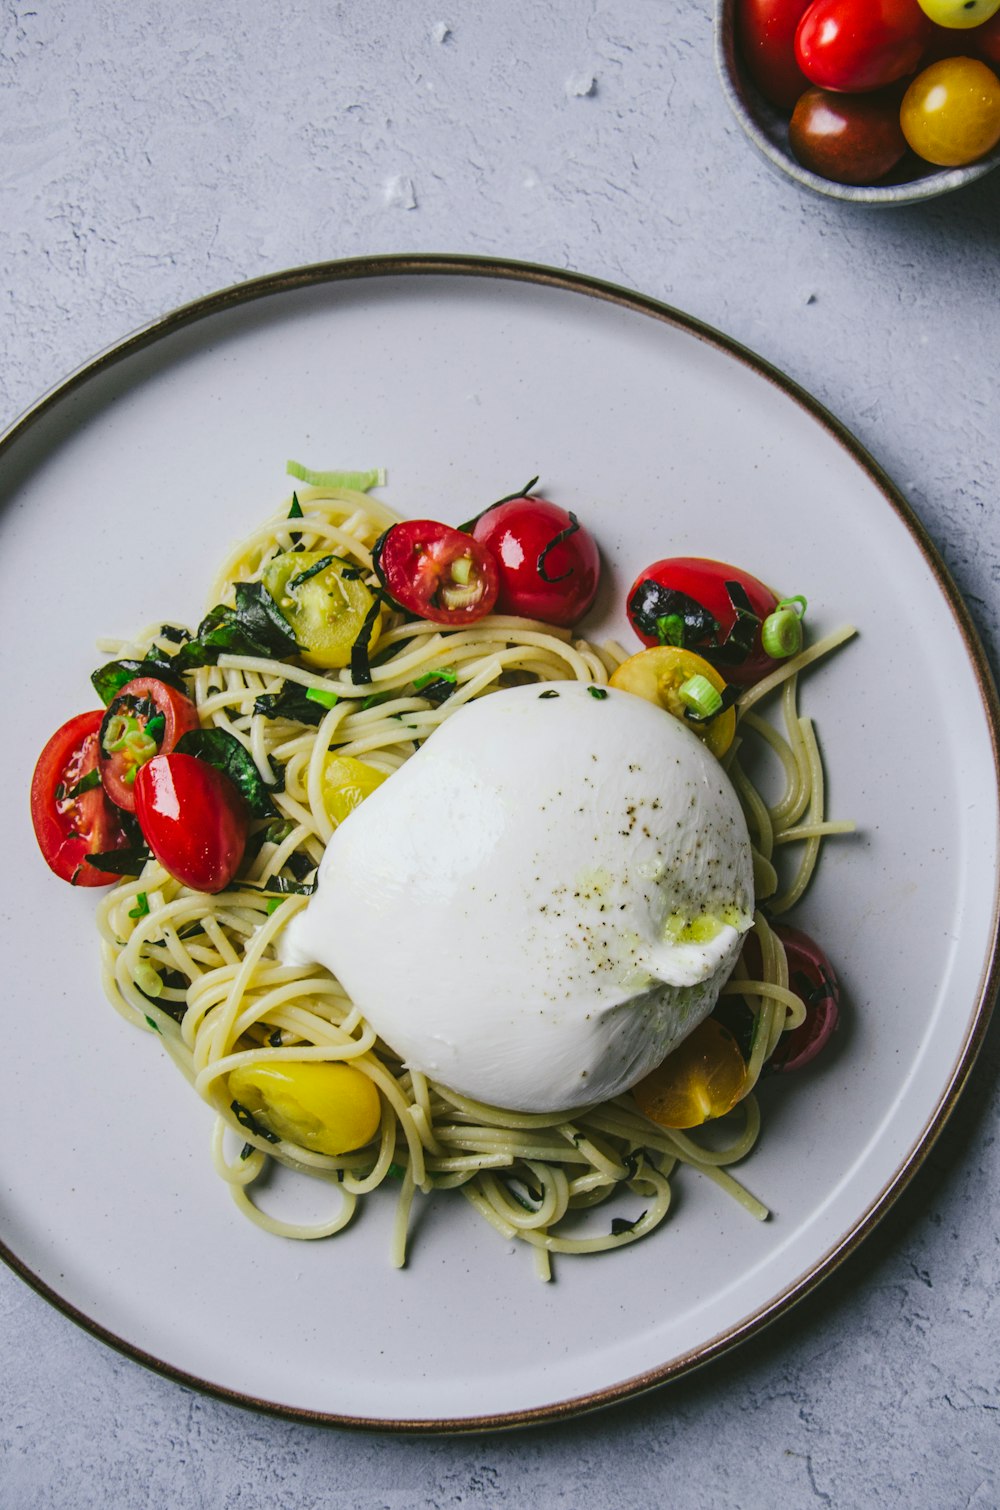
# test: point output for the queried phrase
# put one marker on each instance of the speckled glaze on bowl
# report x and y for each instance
(767, 128)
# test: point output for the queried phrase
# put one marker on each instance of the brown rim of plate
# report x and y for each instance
(460, 265)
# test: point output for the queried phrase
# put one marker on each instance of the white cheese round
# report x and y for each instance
(543, 901)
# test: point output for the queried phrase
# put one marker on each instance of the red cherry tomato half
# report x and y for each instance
(146, 718)
(193, 818)
(436, 572)
(547, 562)
(766, 31)
(812, 977)
(857, 45)
(849, 138)
(706, 606)
(70, 812)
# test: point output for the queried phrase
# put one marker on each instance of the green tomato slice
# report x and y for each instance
(323, 602)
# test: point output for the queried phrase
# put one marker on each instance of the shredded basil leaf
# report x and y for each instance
(224, 751)
(247, 1119)
(619, 1225)
(121, 862)
(293, 702)
(571, 529)
(85, 784)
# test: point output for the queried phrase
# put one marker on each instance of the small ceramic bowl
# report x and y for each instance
(767, 128)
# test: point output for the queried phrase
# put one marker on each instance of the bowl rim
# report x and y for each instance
(738, 93)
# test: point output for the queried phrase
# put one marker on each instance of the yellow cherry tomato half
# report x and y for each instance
(702, 1079)
(346, 784)
(959, 14)
(950, 114)
(325, 1106)
(324, 603)
(674, 678)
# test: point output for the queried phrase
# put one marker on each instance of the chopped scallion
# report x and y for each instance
(360, 482)
(698, 694)
(781, 632)
(320, 695)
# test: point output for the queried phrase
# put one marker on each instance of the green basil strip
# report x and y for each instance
(224, 751)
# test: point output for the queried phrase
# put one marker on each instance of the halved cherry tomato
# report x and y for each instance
(674, 679)
(436, 572)
(707, 606)
(702, 1079)
(324, 602)
(766, 31)
(857, 45)
(146, 718)
(70, 812)
(547, 562)
(193, 818)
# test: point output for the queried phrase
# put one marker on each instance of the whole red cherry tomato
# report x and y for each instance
(766, 32)
(146, 718)
(811, 976)
(436, 571)
(707, 606)
(547, 562)
(849, 138)
(193, 818)
(70, 812)
(857, 45)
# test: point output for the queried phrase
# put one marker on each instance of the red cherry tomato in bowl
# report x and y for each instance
(707, 606)
(857, 45)
(436, 572)
(70, 812)
(548, 564)
(146, 718)
(766, 31)
(193, 818)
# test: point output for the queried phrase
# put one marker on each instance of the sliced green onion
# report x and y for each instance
(461, 570)
(360, 482)
(444, 675)
(118, 730)
(147, 979)
(698, 694)
(141, 908)
(781, 632)
(320, 695)
(461, 596)
(274, 904)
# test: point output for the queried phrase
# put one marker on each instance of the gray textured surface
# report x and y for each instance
(153, 152)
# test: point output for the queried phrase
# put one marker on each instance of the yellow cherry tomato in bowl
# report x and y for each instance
(324, 1105)
(346, 784)
(959, 15)
(685, 685)
(950, 114)
(702, 1079)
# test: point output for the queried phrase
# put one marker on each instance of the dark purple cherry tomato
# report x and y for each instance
(547, 562)
(857, 45)
(193, 818)
(436, 572)
(849, 138)
(766, 31)
(811, 976)
(984, 40)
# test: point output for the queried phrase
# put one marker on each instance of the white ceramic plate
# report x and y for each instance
(120, 493)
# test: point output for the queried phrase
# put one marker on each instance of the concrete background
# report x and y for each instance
(150, 153)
